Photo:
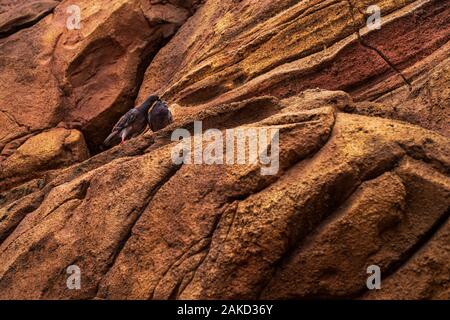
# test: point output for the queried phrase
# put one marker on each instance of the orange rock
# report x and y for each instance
(364, 151)
(45, 151)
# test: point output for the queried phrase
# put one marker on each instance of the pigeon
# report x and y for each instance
(131, 124)
(159, 116)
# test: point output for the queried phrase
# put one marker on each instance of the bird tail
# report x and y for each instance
(112, 140)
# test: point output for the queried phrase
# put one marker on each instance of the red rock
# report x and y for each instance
(364, 150)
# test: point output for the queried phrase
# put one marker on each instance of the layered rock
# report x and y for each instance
(364, 166)
(17, 15)
(84, 78)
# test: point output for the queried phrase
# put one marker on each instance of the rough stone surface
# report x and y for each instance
(48, 150)
(19, 14)
(83, 78)
(364, 150)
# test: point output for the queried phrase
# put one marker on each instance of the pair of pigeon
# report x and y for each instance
(135, 121)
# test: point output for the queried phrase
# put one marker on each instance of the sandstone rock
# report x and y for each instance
(378, 225)
(364, 165)
(268, 227)
(235, 61)
(100, 229)
(15, 15)
(235, 224)
(425, 276)
(90, 76)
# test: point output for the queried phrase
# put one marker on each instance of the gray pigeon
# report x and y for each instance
(131, 124)
(160, 116)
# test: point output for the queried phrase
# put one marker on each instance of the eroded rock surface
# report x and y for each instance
(19, 14)
(48, 150)
(364, 150)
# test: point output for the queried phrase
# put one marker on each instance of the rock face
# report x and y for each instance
(48, 150)
(364, 150)
(86, 78)
(16, 15)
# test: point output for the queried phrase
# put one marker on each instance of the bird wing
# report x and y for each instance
(126, 120)
(149, 119)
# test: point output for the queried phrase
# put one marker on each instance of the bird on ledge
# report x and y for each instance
(160, 116)
(131, 124)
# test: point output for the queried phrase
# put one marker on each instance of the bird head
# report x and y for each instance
(152, 99)
(148, 103)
